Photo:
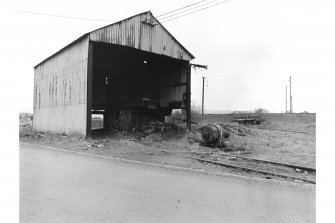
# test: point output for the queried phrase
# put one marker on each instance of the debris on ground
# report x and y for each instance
(149, 130)
(236, 129)
(169, 144)
(233, 158)
(27, 131)
(96, 143)
(161, 127)
(31, 134)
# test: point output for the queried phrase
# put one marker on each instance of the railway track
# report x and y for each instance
(303, 168)
(263, 167)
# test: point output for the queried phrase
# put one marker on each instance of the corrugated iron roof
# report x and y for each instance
(87, 34)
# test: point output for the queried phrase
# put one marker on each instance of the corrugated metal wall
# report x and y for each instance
(133, 32)
(60, 91)
(176, 78)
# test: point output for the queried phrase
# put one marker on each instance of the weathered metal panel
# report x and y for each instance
(60, 91)
(142, 32)
(176, 80)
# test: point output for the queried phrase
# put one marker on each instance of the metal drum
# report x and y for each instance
(212, 133)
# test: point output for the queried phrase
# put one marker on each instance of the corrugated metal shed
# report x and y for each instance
(63, 81)
(60, 91)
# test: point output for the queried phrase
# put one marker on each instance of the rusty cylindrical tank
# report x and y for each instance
(213, 134)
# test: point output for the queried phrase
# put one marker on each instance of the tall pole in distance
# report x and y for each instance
(203, 98)
(290, 95)
(188, 90)
(286, 100)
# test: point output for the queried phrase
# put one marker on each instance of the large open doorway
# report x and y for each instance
(133, 87)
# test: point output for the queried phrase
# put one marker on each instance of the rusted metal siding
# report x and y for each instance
(142, 32)
(60, 91)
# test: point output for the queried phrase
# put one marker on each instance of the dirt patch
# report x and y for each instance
(173, 145)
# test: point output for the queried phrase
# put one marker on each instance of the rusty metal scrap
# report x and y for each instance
(213, 134)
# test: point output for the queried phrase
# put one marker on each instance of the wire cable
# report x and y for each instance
(194, 11)
(181, 8)
(108, 20)
(199, 6)
(68, 17)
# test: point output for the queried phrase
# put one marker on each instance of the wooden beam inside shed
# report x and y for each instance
(89, 90)
(188, 96)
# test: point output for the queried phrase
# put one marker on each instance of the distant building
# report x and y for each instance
(133, 71)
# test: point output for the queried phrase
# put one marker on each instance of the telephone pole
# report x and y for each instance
(203, 98)
(188, 91)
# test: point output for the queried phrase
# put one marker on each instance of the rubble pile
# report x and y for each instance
(26, 119)
(26, 126)
(100, 143)
(236, 129)
(160, 127)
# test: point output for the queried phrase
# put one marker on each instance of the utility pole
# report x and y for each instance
(290, 95)
(203, 97)
(188, 91)
(286, 100)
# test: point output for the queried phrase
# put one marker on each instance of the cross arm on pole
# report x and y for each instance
(199, 66)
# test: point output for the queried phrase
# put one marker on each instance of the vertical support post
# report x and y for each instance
(89, 90)
(290, 95)
(286, 100)
(188, 95)
(203, 98)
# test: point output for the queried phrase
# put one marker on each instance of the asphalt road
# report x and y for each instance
(58, 186)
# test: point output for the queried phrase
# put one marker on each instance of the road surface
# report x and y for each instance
(58, 186)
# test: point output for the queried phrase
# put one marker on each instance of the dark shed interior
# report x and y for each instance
(131, 87)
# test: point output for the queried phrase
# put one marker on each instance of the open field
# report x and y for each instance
(281, 138)
(288, 138)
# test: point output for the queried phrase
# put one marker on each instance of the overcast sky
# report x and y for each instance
(251, 47)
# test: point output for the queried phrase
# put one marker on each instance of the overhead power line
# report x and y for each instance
(109, 20)
(178, 13)
(68, 17)
(195, 11)
(181, 8)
